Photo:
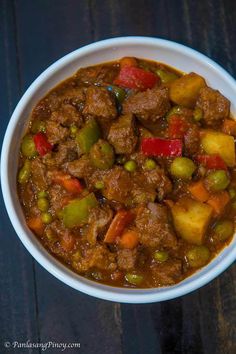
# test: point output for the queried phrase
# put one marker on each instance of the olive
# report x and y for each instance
(198, 256)
(118, 92)
(217, 180)
(102, 155)
(182, 167)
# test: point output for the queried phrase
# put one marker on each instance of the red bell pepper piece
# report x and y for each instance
(71, 184)
(161, 147)
(41, 143)
(212, 162)
(136, 78)
(118, 224)
(177, 127)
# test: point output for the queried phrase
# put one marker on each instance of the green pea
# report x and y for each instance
(161, 256)
(130, 166)
(217, 180)
(43, 204)
(118, 92)
(73, 131)
(182, 167)
(232, 193)
(46, 218)
(42, 194)
(166, 76)
(102, 155)
(197, 114)
(224, 229)
(134, 279)
(38, 126)
(99, 185)
(150, 164)
(198, 256)
(24, 173)
(28, 148)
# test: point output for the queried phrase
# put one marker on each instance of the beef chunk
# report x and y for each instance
(55, 132)
(148, 106)
(58, 196)
(117, 185)
(73, 96)
(99, 218)
(80, 168)
(192, 140)
(67, 115)
(122, 135)
(38, 174)
(97, 74)
(98, 256)
(67, 151)
(214, 105)
(154, 228)
(127, 258)
(100, 103)
(166, 273)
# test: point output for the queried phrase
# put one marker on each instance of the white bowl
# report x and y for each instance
(171, 53)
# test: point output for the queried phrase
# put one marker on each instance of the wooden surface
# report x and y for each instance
(34, 305)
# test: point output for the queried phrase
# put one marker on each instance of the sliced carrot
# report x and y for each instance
(35, 224)
(118, 224)
(218, 202)
(129, 239)
(128, 61)
(229, 127)
(71, 184)
(199, 191)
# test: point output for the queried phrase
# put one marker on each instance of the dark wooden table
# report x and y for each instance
(34, 305)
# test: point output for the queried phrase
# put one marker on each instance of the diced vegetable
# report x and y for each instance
(184, 91)
(166, 76)
(41, 143)
(150, 165)
(46, 218)
(182, 167)
(102, 155)
(134, 279)
(177, 126)
(35, 224)
(38, 126)
(198, 256)
(122, 219)
(191, 219)
(214, 142)
(199, 191)
(24, 173)
(161, 256)
(71, 184)
(118, 92)
(224, 229)
(28, 148)
(217, 180)
(136, 78)
(77, 211)
(218, 202)
(229, 127)
(88, 135)
(130, 166)
(43, 204)
(214, 162)
(161, 147)
(129, 239)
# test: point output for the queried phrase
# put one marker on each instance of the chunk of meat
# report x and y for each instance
(55, 132)
(58, 196)
(148, 106)
(99, 256)
(99, 219)
(122, 134)
(117, 185)
(80, 168)
(100, 103)
(154, 228)
(97, 74)
(74, 96)
(214, 105)
(67, 151)
(127, 258)
(67, 115)
(192, 140)
(38, 174)
(166, 273)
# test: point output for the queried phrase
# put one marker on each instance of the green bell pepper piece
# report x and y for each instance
(76, 213)
(88, 135)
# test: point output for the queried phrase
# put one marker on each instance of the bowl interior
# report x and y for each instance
(170, 53)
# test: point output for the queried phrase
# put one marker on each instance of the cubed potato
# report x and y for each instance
(185, 90)
(191, 219)
(214, 142)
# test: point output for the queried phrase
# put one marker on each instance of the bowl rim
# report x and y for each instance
(43, 257)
